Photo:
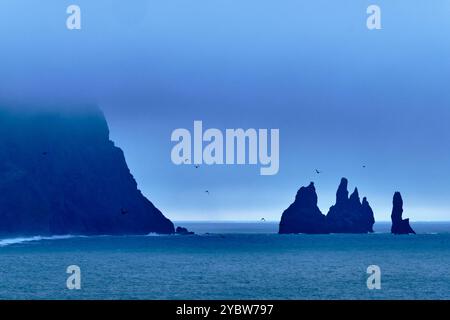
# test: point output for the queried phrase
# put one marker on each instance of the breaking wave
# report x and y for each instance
(11, 241)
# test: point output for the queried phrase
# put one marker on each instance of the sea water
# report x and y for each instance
(230, 261)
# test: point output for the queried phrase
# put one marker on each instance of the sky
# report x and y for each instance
(342, 96)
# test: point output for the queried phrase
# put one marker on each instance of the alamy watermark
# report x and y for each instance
(74, 280)
(374, 279)
(374, 20)
(73, 21)
(235, 146)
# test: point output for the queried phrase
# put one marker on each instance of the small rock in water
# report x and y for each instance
(183, 231)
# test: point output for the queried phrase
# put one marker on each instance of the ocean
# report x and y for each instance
(230, 260)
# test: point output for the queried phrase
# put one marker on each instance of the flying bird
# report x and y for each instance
(197, 166)
(262, 219)
(207, 192)
(318, 172)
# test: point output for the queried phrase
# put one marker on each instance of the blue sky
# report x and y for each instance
(341, 95)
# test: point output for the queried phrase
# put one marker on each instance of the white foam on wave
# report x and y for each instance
(11, 241)
(154, 234)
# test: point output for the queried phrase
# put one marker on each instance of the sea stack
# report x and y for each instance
(61, 174)
(399, 225)
(303, 215)
(183, 231)
(349, 215)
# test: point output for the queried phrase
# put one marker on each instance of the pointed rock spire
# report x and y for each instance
(342, 192)
(399, 225)
(354, 197)
(348, 215)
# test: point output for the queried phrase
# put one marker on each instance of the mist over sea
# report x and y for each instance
(231, 260)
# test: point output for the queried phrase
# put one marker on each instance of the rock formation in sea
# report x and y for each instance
(183, 231)
(399, 225)
(61, 174)
(349, 215)
(303, 215)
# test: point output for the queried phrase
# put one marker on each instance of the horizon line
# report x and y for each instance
(248, 221)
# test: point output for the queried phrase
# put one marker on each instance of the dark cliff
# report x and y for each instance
(61, 174)
(399, 225)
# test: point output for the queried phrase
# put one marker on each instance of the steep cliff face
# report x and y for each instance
(399, 225)
(303, 215)
(349, 215)
(60, 174)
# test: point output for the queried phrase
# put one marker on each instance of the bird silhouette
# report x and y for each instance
(197, 166)
(207, 192)
(262, 219)
(318, 172)
(364, 166)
